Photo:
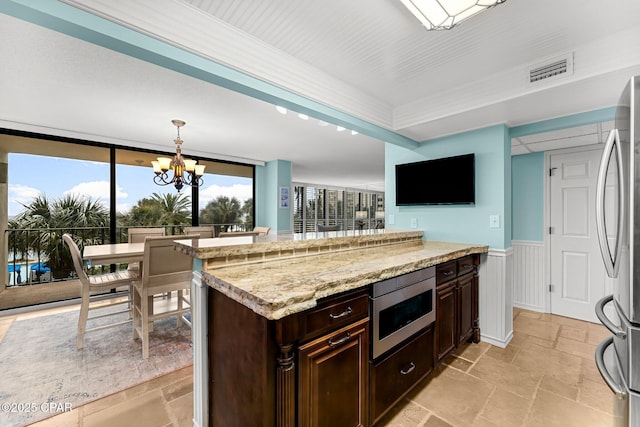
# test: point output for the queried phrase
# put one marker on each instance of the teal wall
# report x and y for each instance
(492, 149)
(270, 178)
(527, 173)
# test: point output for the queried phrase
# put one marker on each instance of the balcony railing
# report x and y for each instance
(30, 250)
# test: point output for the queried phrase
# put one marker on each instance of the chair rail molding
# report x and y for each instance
(495, 297)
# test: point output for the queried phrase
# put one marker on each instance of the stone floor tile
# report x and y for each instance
(582, 349)
(506, 409)
(504, 354)
(536, 327)
(453, 396)
(507, 377)
(552, 384)
(551, 410)
(573, 333)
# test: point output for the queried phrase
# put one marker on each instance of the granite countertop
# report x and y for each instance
(281, 287)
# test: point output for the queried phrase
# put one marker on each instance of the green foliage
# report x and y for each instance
(222, 210)
(158, 210)
(50, 220)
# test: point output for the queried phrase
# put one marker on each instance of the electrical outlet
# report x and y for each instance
(494, 221)
(414, 222)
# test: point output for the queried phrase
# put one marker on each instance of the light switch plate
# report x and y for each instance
(392, 219)
(414, 222)
(494, 221)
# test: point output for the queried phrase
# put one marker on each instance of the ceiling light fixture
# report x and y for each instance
(446, 14)
(185, 171)
(303, 116)
(340, 128)
(281, 110)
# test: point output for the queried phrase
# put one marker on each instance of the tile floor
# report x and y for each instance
(545, 377)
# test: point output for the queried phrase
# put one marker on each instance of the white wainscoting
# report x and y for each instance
(495, 297)
(528, 275)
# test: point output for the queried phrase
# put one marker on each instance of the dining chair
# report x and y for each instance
(95, 283)
(137, 235)
(205, 231)
(262, 231)
(163, 270)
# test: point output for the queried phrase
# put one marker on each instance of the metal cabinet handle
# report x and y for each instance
(467, 265)
(347, 312)
(408, 371)
(615, 329)
(447, 273)
(342, 340)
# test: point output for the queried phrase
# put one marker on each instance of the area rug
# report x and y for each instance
(42, 372)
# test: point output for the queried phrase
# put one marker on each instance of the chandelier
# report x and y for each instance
(185, 171)
(446, 14)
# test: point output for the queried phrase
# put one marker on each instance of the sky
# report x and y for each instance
(31, 175)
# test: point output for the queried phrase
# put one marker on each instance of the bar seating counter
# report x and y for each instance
(276, 316)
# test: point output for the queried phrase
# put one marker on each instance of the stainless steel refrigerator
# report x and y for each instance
(618, 225)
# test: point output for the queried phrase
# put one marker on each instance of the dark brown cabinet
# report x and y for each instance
(446, 319)
(333, 377)
(456, 305)
(397, 373)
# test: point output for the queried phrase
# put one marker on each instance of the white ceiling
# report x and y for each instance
(369, 59)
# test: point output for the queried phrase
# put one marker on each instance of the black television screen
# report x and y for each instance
(446, 181)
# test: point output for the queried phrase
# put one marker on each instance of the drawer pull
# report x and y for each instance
(340, 341)
(408, 371)
(447, 273)
(347, 312)
(467, 265)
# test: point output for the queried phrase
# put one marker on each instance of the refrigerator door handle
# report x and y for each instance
(615, 329)
(618, 389)
(611, 263)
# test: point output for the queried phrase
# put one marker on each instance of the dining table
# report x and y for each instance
(113, 253)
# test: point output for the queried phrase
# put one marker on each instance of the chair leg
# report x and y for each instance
(82, 319)
(179, 317)
(145, 324)
(135, 306)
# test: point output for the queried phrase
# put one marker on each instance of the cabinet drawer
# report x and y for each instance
(446, 271)
(392, 377)
(333, 313)
(466, 265)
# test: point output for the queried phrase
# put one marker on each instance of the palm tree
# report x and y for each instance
(44, 222)
(175, 209)
(159, 210)
(222, 210)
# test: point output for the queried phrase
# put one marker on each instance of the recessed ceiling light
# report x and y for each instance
(353, 132)
(340, 128)
(303, 116)
(322, 123)
(281, 110)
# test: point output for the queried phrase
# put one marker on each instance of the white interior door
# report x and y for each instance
(577, 273)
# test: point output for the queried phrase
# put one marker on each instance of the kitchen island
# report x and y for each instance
(281, 323)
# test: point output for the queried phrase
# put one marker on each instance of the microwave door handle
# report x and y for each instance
(605, 250)
(618, 390)
(615, 329)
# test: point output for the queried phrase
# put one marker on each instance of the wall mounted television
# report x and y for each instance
(445, 181)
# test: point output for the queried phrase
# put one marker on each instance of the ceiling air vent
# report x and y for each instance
(557, 67)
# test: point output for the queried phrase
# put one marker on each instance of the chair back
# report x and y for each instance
(77, 259)
(205, 231)
(163, 265)
(262, 231)
(137, 235)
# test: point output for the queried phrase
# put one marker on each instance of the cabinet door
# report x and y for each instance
(333, 378)
(465, 307)
(392, 377)
(446, 319)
